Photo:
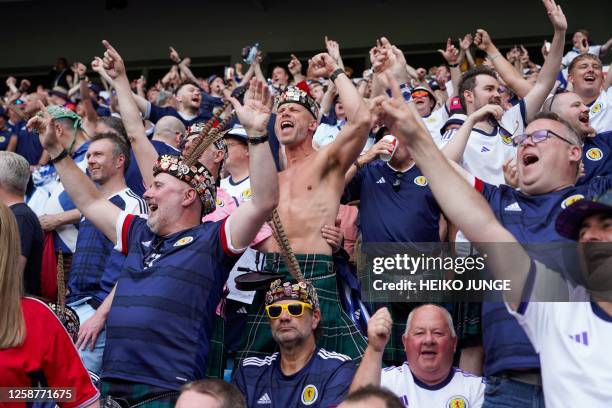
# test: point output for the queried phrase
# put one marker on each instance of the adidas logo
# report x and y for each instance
(264, 400)
(381, 181)
(513, 207)
(582, 338)
(242, 310)
(484, 149)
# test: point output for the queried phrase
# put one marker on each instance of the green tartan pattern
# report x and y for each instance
(217, 352)
(338, 333)
(136, 392)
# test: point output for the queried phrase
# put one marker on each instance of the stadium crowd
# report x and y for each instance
(195, 242)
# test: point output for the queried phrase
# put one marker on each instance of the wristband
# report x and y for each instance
(492, 57)
(358, 165)
(335, 74)
(59, 157)
(257, 140)
(453, 65)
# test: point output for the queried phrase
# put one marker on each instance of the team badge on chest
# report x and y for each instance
(420, 181)
(310, 394)
(571, 200)
(594, 154)
(457, 401)
(183, 241)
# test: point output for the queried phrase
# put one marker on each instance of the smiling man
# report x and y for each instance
(160, 324)
(301, 374)
(427, 378)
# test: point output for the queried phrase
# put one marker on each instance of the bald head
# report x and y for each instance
(167, 129)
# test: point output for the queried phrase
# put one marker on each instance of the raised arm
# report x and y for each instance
(504, 68)
(350, 141)
(451, 55)
(143, 149)
(464, 44)
(605, 48)
(548, 75)
(295, 69)
(254, 115)
(183, 65)
(79, 187)
(460, 202)
(455, 148)
(379, 331)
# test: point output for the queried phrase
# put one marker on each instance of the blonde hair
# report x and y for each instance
(12, 324)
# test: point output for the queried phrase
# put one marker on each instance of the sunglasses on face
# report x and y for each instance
(295, 309)
(397, 182)
(420, 94)
(537, 137)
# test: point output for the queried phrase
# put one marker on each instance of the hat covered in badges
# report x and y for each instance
(293, 94)
(197, 176)
(302, 291)
(60, 112)
(570, 219)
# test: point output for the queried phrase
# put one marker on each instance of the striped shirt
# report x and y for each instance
(95, 266)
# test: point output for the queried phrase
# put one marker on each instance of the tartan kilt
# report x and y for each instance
(217, 352)
(135, 392)
(338, 332)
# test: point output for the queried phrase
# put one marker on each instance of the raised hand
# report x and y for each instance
(450, 54)
(141, 82)
(523, 55)
(322, 65)
(511, 172)
(255, 113)
(11, 81)
(112, 61)
(483, 40)
(43, 124)
(333, 49)
(295, 66)
(555, 14)
(80, 69)
(97, 65)
(379, 329)
(24, 85)
(489, 110)
(466, 41)
(174, 55)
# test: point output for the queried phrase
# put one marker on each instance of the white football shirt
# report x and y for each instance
(459, 389)
(573, 341)
(485, 153)
(435, 121)
(600, 112)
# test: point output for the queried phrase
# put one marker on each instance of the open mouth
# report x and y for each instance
(428, 353)
(529, 159)
(152, 207)
(286, 125)
(584, 117)
(589, 78)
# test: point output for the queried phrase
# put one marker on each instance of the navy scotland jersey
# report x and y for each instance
(407, 212)
(597, 156)
(323, 382)
(161, 321)
(95, 266)
(133, 177)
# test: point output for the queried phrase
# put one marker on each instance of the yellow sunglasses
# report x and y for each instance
(294, 309)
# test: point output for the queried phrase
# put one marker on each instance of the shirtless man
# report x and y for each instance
(310, 190)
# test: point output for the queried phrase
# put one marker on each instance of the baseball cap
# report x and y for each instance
(454, 119)
(570, 219)
(237, 132)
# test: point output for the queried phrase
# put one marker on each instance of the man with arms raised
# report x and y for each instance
(310, 191)
(553, 142)
(482, 147)
(160, 323)
(427, 378)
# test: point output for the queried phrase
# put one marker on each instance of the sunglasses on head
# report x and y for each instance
(420, 94)
(295, 309)
(537, 137)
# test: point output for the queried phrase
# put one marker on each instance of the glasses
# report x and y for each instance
(294, 309)
(420, 94)
(397, 182)
(537, 137)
